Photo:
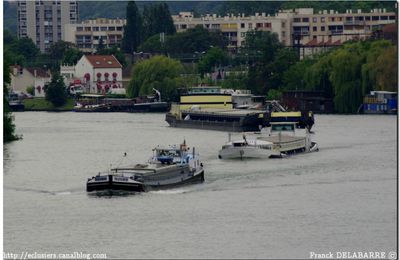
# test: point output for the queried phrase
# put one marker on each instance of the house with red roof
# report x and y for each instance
(100, 74)
(22, 78)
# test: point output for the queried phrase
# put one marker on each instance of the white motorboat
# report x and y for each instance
(281, 139)
(287, 139)
(246, 148)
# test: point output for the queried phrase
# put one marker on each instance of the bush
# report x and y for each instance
(30, 90)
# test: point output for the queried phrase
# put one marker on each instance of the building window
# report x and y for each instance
(305, 20)
(314, 28)
(392, 17)
(111, 28)
(250, 26)
(322, 28)
(367, 18)
(296, 20)
(283, 33)
(375, 18)
(242, 25)
(119, 28)
(384, 18)
(103, 28)
(79, 29)
(315, 19)
(322, 19)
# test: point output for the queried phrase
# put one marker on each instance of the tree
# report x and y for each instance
(100, 46)
(8, 125)
(267, 60)
(197, 39)
(56, 91)
(158, 72)
(152, 45)
(71, 56)
(215, 57)
(188, 42)
(132, 29)
(157, 19)
(387, 70)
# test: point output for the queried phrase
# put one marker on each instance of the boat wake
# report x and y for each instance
(170, 192)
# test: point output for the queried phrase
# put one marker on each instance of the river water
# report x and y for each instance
(342, 198)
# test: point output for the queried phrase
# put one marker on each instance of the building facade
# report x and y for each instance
(97, 74)
(22, 78)
(87, 34)
(302, 28)
(234, 28)
(43, 21)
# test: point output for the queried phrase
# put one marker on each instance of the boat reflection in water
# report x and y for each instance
(169, 167)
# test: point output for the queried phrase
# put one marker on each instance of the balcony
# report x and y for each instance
(336, 32)
(357, 22)
(301, 33)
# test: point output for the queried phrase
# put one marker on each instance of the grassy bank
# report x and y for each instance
(40, 104)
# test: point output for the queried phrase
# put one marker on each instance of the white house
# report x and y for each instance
(99, 73)
(22, 78)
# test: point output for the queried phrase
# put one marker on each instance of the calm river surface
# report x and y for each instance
(342, 198)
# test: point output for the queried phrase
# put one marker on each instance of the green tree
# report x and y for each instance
(274, 94)
(8, 124)
(387, 70)
(215, 57)
(71, 56)
(101, 45)
(152, 45)
(267, 59)
(188, 42)
(157, 19)
(295, 76)
(56, 91)
(158, 72)
(132, 29)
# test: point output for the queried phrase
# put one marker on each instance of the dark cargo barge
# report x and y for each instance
(235, 120)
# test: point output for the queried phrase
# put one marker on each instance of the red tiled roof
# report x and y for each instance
(41, 73)
(313, 42)
(338, 42)
(103, 61)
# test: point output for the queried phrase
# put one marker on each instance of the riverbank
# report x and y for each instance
(41, 104)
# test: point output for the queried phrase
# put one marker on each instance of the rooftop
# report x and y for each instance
(103, 61)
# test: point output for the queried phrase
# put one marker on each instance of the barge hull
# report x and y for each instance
(195, 179)
(210, 125)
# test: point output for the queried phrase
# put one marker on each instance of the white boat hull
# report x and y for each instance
(244, 152)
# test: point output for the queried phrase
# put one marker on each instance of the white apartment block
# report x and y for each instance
(43, 21)
(298, 27)
(87, 34)
(235, 27)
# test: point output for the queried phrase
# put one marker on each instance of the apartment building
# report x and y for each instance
(299, 27)
(43, 21)
(87, 34)
(315, 31)
(234, 28)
